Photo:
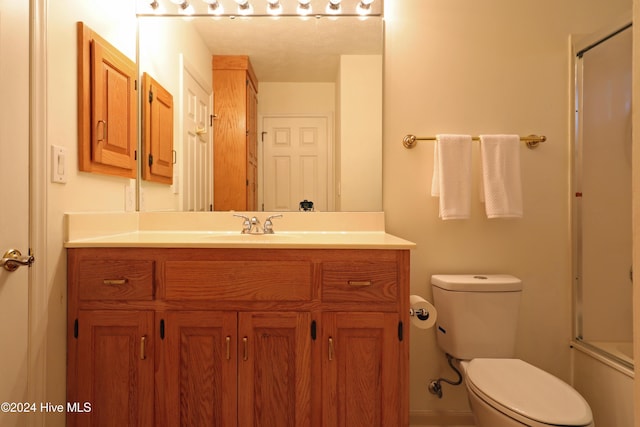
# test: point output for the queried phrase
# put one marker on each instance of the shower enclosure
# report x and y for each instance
(602, 197)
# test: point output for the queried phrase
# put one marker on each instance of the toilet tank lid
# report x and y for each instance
(477, 282)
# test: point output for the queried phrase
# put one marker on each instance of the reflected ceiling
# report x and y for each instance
(285, 48)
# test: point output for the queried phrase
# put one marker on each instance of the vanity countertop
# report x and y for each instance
(295, 230)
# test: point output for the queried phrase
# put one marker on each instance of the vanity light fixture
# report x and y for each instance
(304, 7)
(244, 7)
(274, 7)
(364, 7)
(334, 7)
(215, 7)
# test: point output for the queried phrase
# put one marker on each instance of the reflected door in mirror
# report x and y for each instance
(296, 152)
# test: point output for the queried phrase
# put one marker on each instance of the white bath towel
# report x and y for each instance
(501, 188)
(452, 175)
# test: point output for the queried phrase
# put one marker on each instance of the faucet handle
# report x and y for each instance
(246, 223)
(268, 224)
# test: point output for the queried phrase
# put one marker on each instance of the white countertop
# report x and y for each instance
(295, 230)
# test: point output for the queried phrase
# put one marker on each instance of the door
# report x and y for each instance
(197, 164)
(360, 366)
(274, 369)
(296, 165)
(114, 369)
(603, 237)
(197, 375)
(14, 216)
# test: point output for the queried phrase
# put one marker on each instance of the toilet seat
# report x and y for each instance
(527, 393)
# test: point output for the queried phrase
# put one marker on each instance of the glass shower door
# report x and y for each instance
(602, 207)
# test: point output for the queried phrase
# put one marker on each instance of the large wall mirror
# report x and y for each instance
(319, 111)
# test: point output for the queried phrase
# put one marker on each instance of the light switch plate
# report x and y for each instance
(58, 164)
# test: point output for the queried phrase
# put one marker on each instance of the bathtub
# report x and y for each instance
(603, 373)
(622, 351)
(616, 354)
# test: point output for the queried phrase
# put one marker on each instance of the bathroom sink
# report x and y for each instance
(239, 237)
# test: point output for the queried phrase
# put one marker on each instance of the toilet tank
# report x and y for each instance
(477, 314)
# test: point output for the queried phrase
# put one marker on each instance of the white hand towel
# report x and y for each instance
(452, 175)
(501, 182)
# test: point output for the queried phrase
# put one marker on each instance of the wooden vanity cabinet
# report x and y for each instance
(235, 134)
(239, 337)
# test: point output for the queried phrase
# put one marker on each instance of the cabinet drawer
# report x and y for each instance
(238, 280)
(359, 282)
(115, 279)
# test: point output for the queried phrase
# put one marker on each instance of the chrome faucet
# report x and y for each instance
(252, 225)
(246, 224)
(256, 228)
(268, 224)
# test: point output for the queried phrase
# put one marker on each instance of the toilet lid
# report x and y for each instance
(529, 391)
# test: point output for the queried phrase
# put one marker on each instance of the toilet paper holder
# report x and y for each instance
(420, 313)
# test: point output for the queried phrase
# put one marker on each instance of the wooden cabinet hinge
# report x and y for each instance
(150, 96)
(150, 159)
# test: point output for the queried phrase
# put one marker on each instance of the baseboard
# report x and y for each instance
(440, 418)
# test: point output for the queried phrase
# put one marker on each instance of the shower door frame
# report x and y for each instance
(579, 49)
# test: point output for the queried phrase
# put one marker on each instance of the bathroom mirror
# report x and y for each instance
(320, 68)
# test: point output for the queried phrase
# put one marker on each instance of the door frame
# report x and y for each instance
(37, 277)
(331, 160)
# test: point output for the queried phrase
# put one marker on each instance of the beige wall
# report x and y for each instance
(115, 21)
(359, 154)
(495, 66)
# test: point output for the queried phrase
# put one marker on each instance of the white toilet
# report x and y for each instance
(477, 317)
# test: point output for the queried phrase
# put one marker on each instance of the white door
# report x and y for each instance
(197, 164)
(14, 203)
(296, 162)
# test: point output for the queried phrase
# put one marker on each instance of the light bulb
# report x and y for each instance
(364, 7)
(333, 7)
(304, 7)
(215, 8)
(274, 7)
(244, 7)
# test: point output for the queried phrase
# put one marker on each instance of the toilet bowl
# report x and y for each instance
(477, 318)
(513, 393)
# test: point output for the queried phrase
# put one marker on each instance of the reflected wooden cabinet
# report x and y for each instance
(238, 337)
(157, 132)
(235, 138)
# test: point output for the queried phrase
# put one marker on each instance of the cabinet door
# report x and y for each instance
(113, 369)
(361, 370)
(157, 132)
(197, 369)
(107, 107)
(274, 370)
(114, 111)
(252, 147)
